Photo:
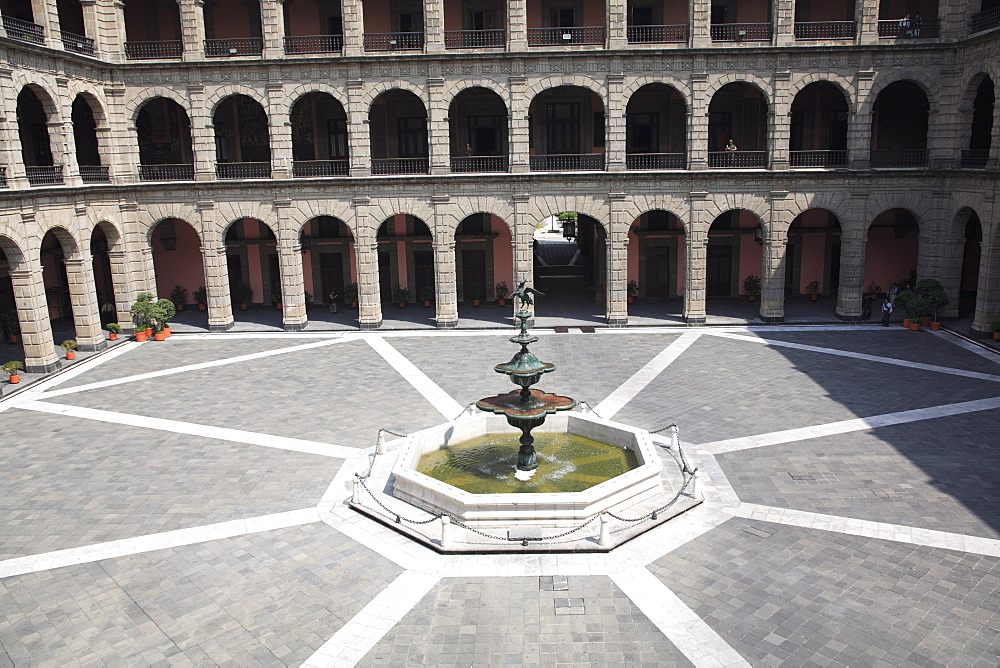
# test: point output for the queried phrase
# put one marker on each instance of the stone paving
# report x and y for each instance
(183, 504)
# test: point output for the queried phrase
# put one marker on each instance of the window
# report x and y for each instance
(484, 135)
(412, 137)
(643, 133)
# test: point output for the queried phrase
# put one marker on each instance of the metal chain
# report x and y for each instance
(590, 409)
(524, 540)
(464, 410)
(399, 518)
(652, 515)
(657, 431)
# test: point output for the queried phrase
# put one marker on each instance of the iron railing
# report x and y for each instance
(915, 28)
(479, 163)
(302, 169)
(826, 30)
(95, 174)
(974, 158)
(23, 30)
(390, 166)
(77, 43)
(741, 32)
(568, 162)
(557, 36)
(153, 50)
(903, 157)
(394, 41)
(655, 161)
(817, 158)
(984, 20)
(474, 39)
(45, 175)
(657, 34)
(239, 46)
(184, 172)
(737, 159)
(314, 44)
(3, 177)
(243, 170)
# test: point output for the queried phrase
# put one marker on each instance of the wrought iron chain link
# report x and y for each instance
(399, 518)
(652, 514)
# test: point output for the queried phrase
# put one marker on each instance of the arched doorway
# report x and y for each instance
(484, 258)
(735, 251)
(968, 288)
(103, 277)
(57, 246)
(819, 127)
(36, 146)
(737, 114)
(981, 131)
(163, 132)
(405, 259)
(88, 152)
(812, 255)
(252, 265)
(10, 325)
(899, 126)
(177, 261)
(329, 265)
(477, 120)
(566, 130)
(656, 262)
(656, 129)
(242, 139)
(319, 137)
(570, 266)
(397, 122)
(891, 251)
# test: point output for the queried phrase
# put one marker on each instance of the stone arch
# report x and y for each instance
(590, 83)
(633, 84)
(112, 232)
(758, 205)
(229, 213)
(98, 104)
(157, 213)
(378, 214)
(885, 78)
(917, 205)
(220, 95)
(13, 247)
(300, 91)
(373, 93)
(758, 82)
(69, 242)
(551, 205)
(838, 205)
(641, 204)
(135, 105)
(306, 211)
(841, 83)
(468, 206)
(459, 87)
(41, 91)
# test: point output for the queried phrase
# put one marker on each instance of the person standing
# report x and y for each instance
(332, 299)
(886, 312)
(866, 307)
(893, 291)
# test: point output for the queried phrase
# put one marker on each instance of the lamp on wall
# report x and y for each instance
(758, 235)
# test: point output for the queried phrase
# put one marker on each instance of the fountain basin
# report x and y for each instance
(552, 509)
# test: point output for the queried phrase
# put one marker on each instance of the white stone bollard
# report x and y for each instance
(445, 532)
(380, 444)
(675, 439)
(356, 493)
(692, 488)
(605, 538)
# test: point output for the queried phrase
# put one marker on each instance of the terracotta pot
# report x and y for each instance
(70, 355)
(354, 304)
(243, 307)
(630, 300)
(906, 322)
(159, 336)
(401, 304)
(926, 321)
(149, 332)
(501, 302)
(427, 303)
(12, 338)
(202, 307)
(814, 297)
(475, 302)
(914, 326)
(140, 336)
(996, 336)
(15, 379)
(112, 336)
(751, 298)
(179, 307)
(935, 326)
(277, 307)
(166, 332)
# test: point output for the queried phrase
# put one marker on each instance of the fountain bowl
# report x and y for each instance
(555, 509)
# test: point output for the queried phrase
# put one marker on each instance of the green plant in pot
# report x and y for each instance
(632, 291)
(813, 289)
(69, 345)
(874, 289)
(143, 314)
(12, 370)
(937, 300)
(163, 311)
(242, 295)
(276, 297)
(201, 297)
(179, 297)
(916, 308)
(751, 286)
(426, 295)
(114, 329)
(351, 294)
(400, 295)
(995, 326)
(500, 290)
(9, 324)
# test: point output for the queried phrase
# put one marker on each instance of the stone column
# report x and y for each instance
(280, 125)
(614, 114)
(517, 25)
(61, 138)
(947, 128)
(293, 288)
(445, 283)
(437, 127)
(523, 231)
(45, 13)
(110, 30)
(353, 21)
(33, 315)
(10, 154)
(866, 14)
(859, 124)
(116, 139)
(358, 134)
(433, 26)
(697, 126)
(779, 121)
(783, 23)
(701, 20)
(853, 240)
(696, 259)
(193, 30)
(616, 299)
(954, 15)
(617, 18)
(213, 255)
(202, 135)
(125, 293)
(83, 297)
(988, 293)
(366, 248)
(136, 265)
(90, 23)
(518, 130)
(272, 18)
(772, 298)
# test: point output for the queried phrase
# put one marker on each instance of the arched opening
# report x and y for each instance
(18, 21)
(819, 127)
(233, 28)
(655, 129)
(329, 268)
(253, 267)
(741, 21)
(656, 261)
(177, 261)
(88, 152)
(405, 259)
(313, 27)
(832, 19)
(737, 127)
(477, 123)
(484, 259)
(163, 132)
(566, 130)
(10, 325)
(971, 256)
(242, 139)
(899, 126)
(319, 137)
(908, 19)
(57, 293)
(735, 252)
(891, 253)
(72, 28)
(103, 278)
(556, 23)
(812, 256)
(397, 122)
(152, 29)
(474, 24)
(36, 149)
(393, 25)
(570, 266)
(981, 135)
(657, 22)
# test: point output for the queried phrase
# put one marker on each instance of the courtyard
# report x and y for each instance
(183, 503)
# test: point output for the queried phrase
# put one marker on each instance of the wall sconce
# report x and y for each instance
(758, 235)
(569, 229)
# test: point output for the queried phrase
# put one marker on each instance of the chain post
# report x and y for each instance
(356, 492)
(380, 444)
(605, 535)
(675, 439)
(445, 532)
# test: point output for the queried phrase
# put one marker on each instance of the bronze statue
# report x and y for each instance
(524, 292)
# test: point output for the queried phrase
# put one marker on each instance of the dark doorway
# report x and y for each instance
(423, 272)
(719, 270)
(385, 275)
(331, 273)
(474, 274)
(658, 272)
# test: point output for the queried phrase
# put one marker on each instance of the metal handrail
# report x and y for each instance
(559, 36)
(390, 166)
(77, 43)
(902, 157)
(655, 161)
(95, 174)
(475, 39)
(657, 34)
(239, 46)
(567, 162)
(974, 158)
(741, 32)
(154, 50)
(182, 172)
(243, 170)
(737, 159)
(23, 30)
(314, 44)
(819, 158)
(44, 175)
(3, 177)
(316, 168)
(915, 28)
(394, 41)
(479, 163)
(984, 20)
(826, 29)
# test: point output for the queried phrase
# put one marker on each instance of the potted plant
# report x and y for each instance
(995, 326)
(178, 296)
(276, 297)
(874, 289)
(11, 369)
(916, 308)
(242, 294)
(633, 291)
(351, 294)
(813, 289)
(143, 315)
(114, 330)
(69, 345)
(163, 311)
(477, 297)
(9, 324)
(937, 299)
(751, 286)
(501, 291)
(426, 295)
(400, 295)
(201, 297)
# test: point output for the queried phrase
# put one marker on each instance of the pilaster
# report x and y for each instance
(202, 135)
(193, 30)
(45, 13)
(281, 131)
(617, 21)
(866, 14)
(859, 124)
(33, 316)
(696, 259)
(434, 26)
(616, 298)
(772, 298)
(779, 121)
(272, 17)
(83, 298)
(366, 247)
(517, 25)
(523, 227)
(853, 239)
(519, 128)
(700, 12)
(615, 123)
(213, 254)
(353, 21)
(445, 281)
(357, 129)
(988, 294)
(437, 127)
(783, 22)
(697, 123)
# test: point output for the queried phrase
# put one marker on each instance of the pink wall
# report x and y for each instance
(231, 19)
(830, 11)
(453, 15)
(887, 258)
(813, 248)
(182, 266)
(593, 14)
(503, 253)
(250, 231)
(752, 11)
(378, 18)
(633, 259)
(675, 13)
(302, 19)
(307, 276)
(680, 265)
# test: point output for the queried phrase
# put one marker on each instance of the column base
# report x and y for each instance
(695, 319)
(369, 326)
(92, 347)
(980, 334)
(852, 319)
(42, 368)
(295, 326)
(223, 327)
(773, 319)
(616, 320)
(447, 324)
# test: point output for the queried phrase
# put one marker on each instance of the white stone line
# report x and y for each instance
(183, 337)
(899, 533)
(957, 340)
(438, 398)
(81, 367)
(195, 367)
(157, 541)
(627, 391)
(861, 356)
(359, 635)
(679, 623)
(847, 426)
(192, 429)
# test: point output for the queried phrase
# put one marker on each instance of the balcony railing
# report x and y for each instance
(77, 43)
(95, 174)
(23, 30)
(243, 170)
(984, 20)
(741, 32)
(557, 36)
(568, 162)
(390, 166)
(915, 28)
(240, 46)
(817, 158)
(474, 39)
(655, 161)
(826, 30)
(394, 41)
(657, 34)
(737, 159)
(3, 177)
(303, 169)
(183, 172)
(900, 157)
(314, 44)
(153, 50)
(479, 163)
(47, 175)
(975, 158)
